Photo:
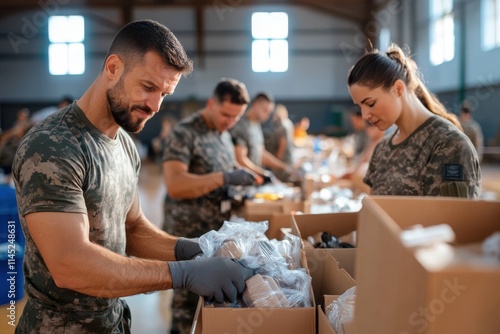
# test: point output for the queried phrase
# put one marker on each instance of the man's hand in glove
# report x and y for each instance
(186, 249)
(269, 177)
(212, 278)
(239, 177)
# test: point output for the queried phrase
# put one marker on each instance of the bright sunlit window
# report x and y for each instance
(384, 39)
(442, 32)
(270, 44)
(490, 24)
(66, 49)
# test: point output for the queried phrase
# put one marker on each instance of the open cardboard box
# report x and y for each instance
(334, 283)
(396, 293)
(277, 213)
(338, 224)
(324, 326)
(210, 320)
(279, 206)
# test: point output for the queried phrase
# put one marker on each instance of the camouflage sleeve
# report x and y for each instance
(50, 173)
(178, 145)
(372, 166)
(453, 163)
(240, 135)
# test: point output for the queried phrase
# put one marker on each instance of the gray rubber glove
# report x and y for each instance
(269, 177)
(239, 177)
(212, 277)
(186, 249)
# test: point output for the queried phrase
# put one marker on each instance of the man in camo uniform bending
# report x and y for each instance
(76, 174)
(198, 166)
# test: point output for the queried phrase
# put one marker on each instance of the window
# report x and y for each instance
(384, 39)
(491, 24)
(442, 32)
(66, 49)
(270, 45)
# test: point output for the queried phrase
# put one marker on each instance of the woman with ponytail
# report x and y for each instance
(428, 154)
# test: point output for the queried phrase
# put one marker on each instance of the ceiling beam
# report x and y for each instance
(200, 37)
(127, 9)
(334, 11)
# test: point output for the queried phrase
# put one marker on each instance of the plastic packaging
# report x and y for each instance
(262, 291)
(275, 263)
(491, 246)
(341, 311)
(289, 248)
(427, 236)
(335, 199)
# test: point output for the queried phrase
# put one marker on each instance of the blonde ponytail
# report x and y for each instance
(431, 102)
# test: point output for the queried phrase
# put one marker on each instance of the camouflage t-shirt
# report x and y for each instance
(434, 155)
(204, 151)
(249, 134)
(64, 164)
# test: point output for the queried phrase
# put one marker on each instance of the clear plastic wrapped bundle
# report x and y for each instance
(289, 248)
(262, 291)
(336, 199)
(278, 280)
(341, 311)
(243, 234)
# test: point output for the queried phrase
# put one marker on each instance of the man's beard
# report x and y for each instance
(121, 113)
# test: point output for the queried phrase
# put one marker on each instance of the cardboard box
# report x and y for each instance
(338, 224)
(278, 214)
(279, 206)
(324, 326)
(396, 293)
(328, 278)
(256, 320)
(335, 282)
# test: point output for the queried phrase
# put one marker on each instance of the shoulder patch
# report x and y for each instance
(453, 172)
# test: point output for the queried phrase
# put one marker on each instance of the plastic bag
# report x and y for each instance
(262, 291)
(270, 260)
(341, 311)
(289, 248)
(244, 235)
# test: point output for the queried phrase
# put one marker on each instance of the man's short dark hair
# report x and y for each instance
(231, 90)
(264, 96)
(137, 38)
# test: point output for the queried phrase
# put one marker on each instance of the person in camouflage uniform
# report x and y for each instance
(472, 129)
(278, 139)
(248, 139)
(428, 154)
(198, 166)
(76, 174)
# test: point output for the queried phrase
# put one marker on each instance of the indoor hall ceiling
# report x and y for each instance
(358, 11)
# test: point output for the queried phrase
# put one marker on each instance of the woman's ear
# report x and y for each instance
(399, 88)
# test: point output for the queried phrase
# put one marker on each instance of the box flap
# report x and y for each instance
(327, 277)
(394, 291)
(324, 326)
(196, 327)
